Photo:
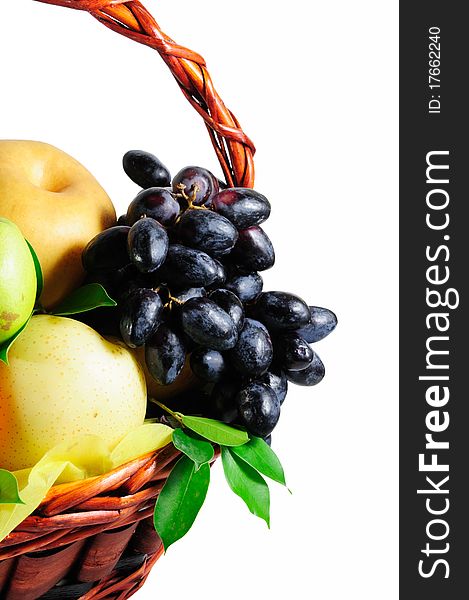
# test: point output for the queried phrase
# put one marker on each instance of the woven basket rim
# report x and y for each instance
(58, 489)
(94, 504)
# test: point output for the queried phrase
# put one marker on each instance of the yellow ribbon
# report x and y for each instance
(84, 457)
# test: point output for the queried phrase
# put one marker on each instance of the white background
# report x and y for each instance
(314, 85)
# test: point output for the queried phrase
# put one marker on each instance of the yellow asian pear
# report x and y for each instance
(58, 206)
(65, 380)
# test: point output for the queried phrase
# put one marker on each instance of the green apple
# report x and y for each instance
(65, 380)
(18, 281)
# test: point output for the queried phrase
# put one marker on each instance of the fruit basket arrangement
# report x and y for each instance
(105, 463)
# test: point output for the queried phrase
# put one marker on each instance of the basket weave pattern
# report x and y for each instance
(82, 529)
(94, 539)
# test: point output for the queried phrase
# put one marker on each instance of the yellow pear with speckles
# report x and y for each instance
(65, 380)
(59, 207)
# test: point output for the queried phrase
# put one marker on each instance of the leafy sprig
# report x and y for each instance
(85, 298)
(38, 269)
(199, 451)
(245, 459)
(9, 493)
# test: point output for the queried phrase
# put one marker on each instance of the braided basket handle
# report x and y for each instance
(130, 18)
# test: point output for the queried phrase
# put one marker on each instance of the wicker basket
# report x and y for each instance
(95, 538)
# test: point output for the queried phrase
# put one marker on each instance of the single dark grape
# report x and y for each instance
(268, 440)
(253, 251)
(253, 352)
(208, 365)
(208, 325)
(323, 321)
(220, 278)
(242, 206)
(258, 408)
(312, 375)
(107, 250)
(155, 202)
(148, 245)
(281, 311)
(173, 318)
(165, 355)
(122, 220)
(145, 169)
(231, 304)
(292, 352)
(277, 381)
(223, 401)
(207, 231)
(192, 177)
(141, 315)
(187, 267)
(247, 286)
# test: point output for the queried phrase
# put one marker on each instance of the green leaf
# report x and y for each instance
(180, 500)
(5, 347)
(37, 266)
(247, 484)
(199, 451)
(261, 457)
(216, 431)
(83, 299)
(9, 493)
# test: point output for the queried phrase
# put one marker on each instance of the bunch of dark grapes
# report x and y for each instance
(183, 265)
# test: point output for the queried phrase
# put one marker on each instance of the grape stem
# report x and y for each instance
(172, 300)
(190, 199)
(176, 415)
(175, 300)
